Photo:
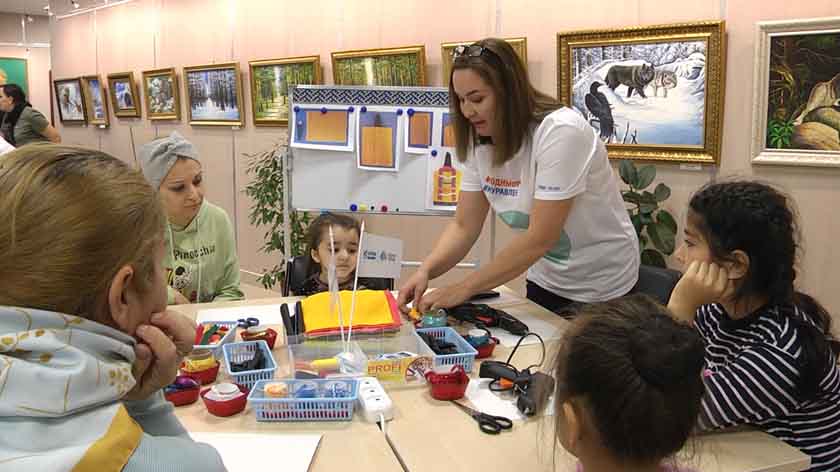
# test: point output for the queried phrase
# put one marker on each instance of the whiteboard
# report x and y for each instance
(331, 180)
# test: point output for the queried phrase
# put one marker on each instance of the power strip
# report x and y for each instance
(375, 404)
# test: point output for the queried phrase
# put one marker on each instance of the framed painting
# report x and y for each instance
(796, 93)
(520, 45)
(271, 80)
(124, 96)
(651, 92)
(160, 88)
(404, 66)
(68, 96)
(214, 94)
(96, 100)
(14, 70)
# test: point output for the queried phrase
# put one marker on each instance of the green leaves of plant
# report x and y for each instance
(653, 258)
(779, 132)
(267, 191)
(654, 226)
(628, 174)
(646, 175)
(661, 192)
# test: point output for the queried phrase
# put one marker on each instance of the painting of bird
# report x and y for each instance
(597, 104)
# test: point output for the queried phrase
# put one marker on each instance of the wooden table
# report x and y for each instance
(345, 446)
(428, 434)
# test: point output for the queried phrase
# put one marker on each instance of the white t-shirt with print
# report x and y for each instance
(597, 257)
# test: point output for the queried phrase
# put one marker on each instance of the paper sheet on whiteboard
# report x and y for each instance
(295, 450)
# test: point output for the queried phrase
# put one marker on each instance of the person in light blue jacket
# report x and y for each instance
(86, 343)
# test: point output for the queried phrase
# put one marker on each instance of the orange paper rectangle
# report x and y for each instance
(329, 127)
(377, 147)
(419, 129)
(449, 136)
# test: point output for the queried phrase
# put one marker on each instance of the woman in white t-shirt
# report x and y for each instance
(544, 171)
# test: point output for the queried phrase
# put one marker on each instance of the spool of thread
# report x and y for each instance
(276, 390)
(306, 390)
(337, 389)
(325, 364)
(199, 360)
(477, 337)
(434, 319)
(223, 392)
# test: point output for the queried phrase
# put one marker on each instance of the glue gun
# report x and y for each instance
(532, 389)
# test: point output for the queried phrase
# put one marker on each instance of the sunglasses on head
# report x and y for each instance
(471, 50)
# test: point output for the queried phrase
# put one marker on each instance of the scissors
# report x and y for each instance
(246, 323)
(487, 423)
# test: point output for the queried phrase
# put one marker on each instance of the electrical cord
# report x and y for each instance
(495, 385)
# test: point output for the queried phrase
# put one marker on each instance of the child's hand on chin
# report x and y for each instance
(701, 284)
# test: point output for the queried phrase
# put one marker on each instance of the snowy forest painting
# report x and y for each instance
(213, 94)
(653, 91)
(649, 93)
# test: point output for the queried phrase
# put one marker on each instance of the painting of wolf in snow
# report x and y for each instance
(650, 92)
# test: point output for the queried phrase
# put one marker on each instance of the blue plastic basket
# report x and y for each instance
(227, 338)
(466, 353)
(240, 352)
(317, 408)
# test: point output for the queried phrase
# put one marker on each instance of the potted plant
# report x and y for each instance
(267, 191)
(655, 226)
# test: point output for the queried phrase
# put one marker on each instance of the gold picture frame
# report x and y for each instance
(96, 100)
(400, 66)
(600, 70)
(270, 82)
(520, 45)
(162, 94)
(125, 98)
(208, 89)
(70, 100)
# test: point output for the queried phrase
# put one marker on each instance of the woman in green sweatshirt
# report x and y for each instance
(201, 263)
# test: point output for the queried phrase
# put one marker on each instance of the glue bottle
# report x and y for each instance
(446, 183)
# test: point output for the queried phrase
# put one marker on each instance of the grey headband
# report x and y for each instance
(157, 157)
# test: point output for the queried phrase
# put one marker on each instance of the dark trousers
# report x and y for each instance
(551, 301)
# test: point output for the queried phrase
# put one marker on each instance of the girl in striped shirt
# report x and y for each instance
(769, 358)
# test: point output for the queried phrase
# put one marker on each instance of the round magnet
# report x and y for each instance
(410, 112)
(434, 152)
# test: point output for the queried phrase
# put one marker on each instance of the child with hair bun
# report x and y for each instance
(628, 386)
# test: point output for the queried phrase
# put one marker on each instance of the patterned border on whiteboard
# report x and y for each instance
(388, 96)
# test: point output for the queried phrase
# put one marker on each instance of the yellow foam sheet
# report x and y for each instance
(372, 309)
(329, 127)
(449, 136)
(377, 147)
(419, 126)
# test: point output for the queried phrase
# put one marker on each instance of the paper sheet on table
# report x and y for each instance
(497, 403)
(267, 314)
(546, 330)
(295, 450)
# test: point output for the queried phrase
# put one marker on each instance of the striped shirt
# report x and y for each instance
(753, 366)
